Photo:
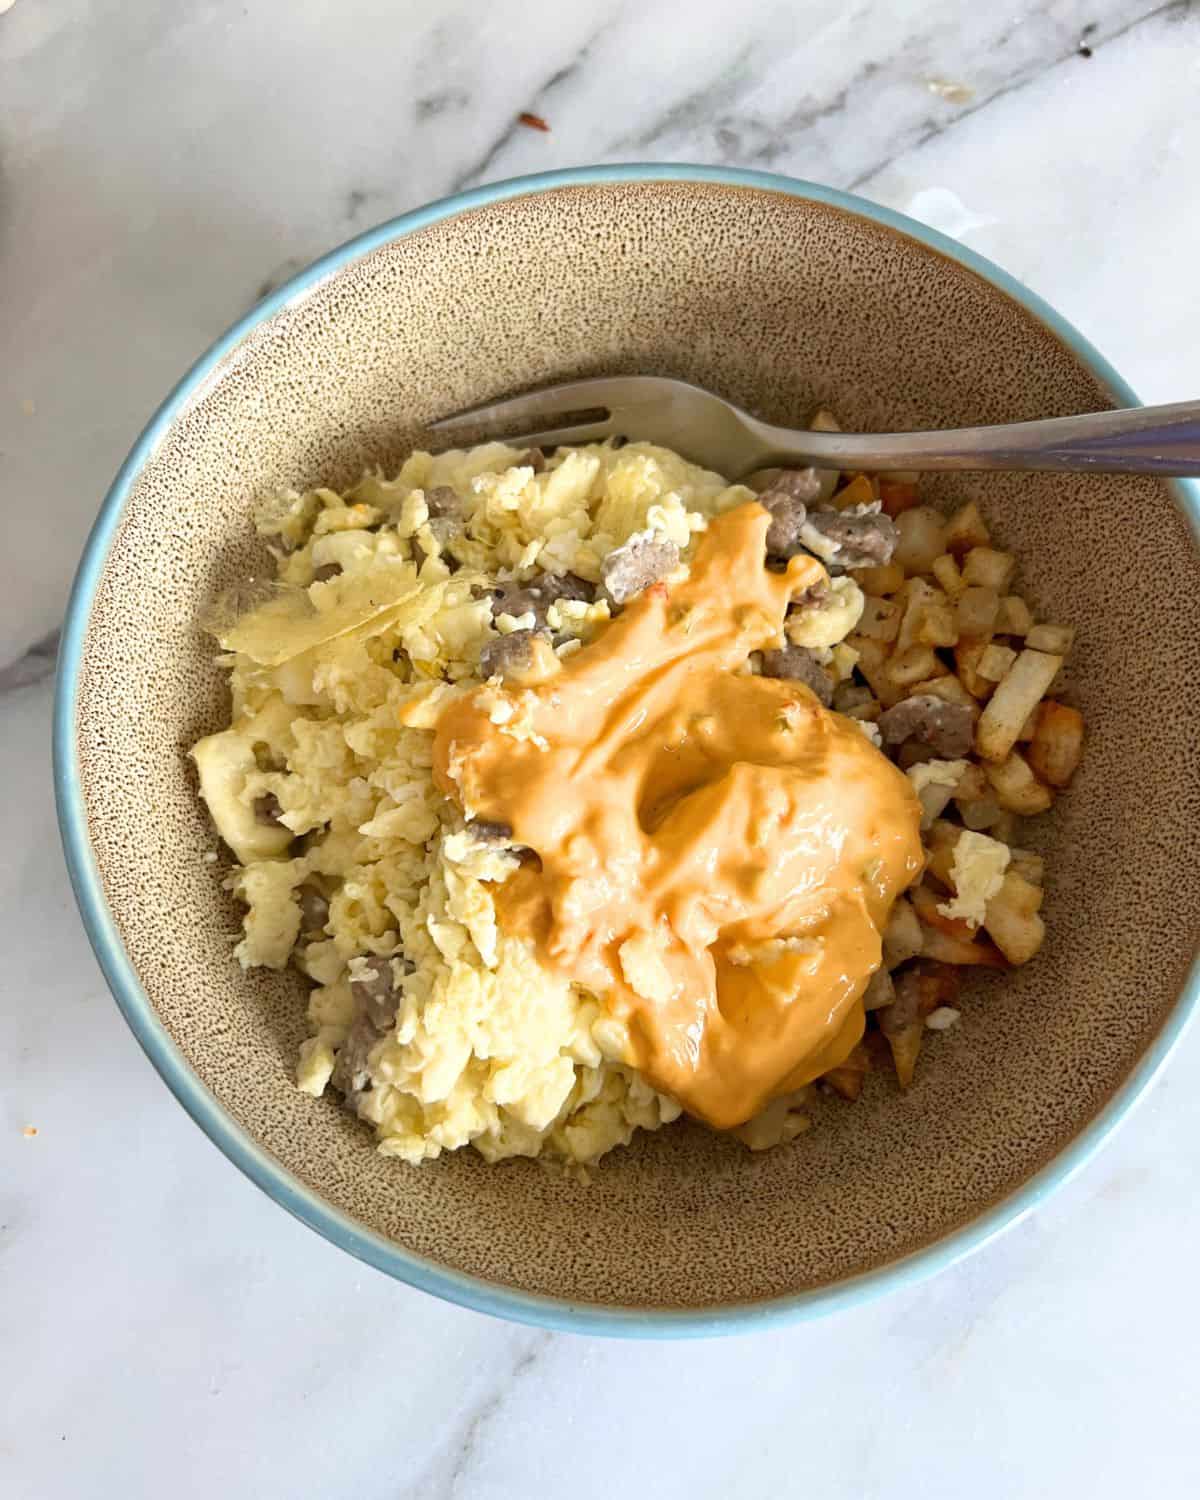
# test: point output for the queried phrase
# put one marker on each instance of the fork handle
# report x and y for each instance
(1135, 440)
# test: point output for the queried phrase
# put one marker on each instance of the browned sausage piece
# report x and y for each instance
(536, 597)
(787, 498)
(851, 539)
(798, 664)
(375, 991)
(945, 727)
(314, 910)
(267, 810)
(509, 654)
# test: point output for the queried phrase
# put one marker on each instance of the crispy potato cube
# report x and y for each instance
(996, 662)
(898, 495)
(1029, 865)
(880, 991)
(902, 1024)
(873, 664)
(1012, 920)
(966, 530)
(922, 532)
(955, 950)
(927, 903)
(972, 785)
(977, 609)
(860, 491)
(913, 599)
(946, 687)
(1057, 639)
(1015, 697)
(967, 656)
(823, 420)
(989, 568)
(912, 665)
(847, 1078)
(902, 936)
(1014, 617)
(1005, 827)
(886, 579)
(1030, 726)
(1057, 745)
(880, 619)
(1017, 789)
(981, 813)
(845, 659)
(948, 574)
(937, 626)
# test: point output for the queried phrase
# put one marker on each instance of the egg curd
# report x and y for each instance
(624, 876)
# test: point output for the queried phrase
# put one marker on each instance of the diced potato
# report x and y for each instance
(948, 574)
(946, 687)
(847, 1078)
(989, 568)
(1012, 920)
(1029, 727)
(898, 495)
(937, 626)
(914, 598)
(1029, 866)
(1015, 697)
(912, 665)
(1057, 639)
(954, 950)
(981, 814)
(1005, 827)
(880, 991)
(977, 609)
(845, 659)
(880, 619)
(966, 530)
(967, 656)
(922, 537)
(1014, 617)
(823, 420)
(996, 662)
(860, 491)
(927, 905)
(873, 657)
(1017, 789)
(972, 785)
(886, 579)
(1057, 745)
(902, 938)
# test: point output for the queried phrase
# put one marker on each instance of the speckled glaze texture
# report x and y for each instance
(778, 303)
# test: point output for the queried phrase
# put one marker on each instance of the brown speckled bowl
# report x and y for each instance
(779, 296)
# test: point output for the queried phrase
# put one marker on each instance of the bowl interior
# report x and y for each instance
(779, 303)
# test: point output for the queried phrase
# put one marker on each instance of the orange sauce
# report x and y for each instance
(718, 853)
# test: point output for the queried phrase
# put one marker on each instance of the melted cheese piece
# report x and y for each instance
(718, 854)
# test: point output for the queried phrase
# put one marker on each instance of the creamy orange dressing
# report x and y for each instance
(719, 853)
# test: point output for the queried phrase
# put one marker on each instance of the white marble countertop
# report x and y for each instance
(159, 167)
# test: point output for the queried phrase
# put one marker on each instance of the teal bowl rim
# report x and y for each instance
(287, 1190)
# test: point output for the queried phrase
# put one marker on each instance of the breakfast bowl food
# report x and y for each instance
(415, 642)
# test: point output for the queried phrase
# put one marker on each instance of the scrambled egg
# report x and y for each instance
(350, 863)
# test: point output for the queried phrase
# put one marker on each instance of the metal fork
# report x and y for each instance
(715, 433)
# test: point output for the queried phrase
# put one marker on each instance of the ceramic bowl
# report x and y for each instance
(779, 295)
